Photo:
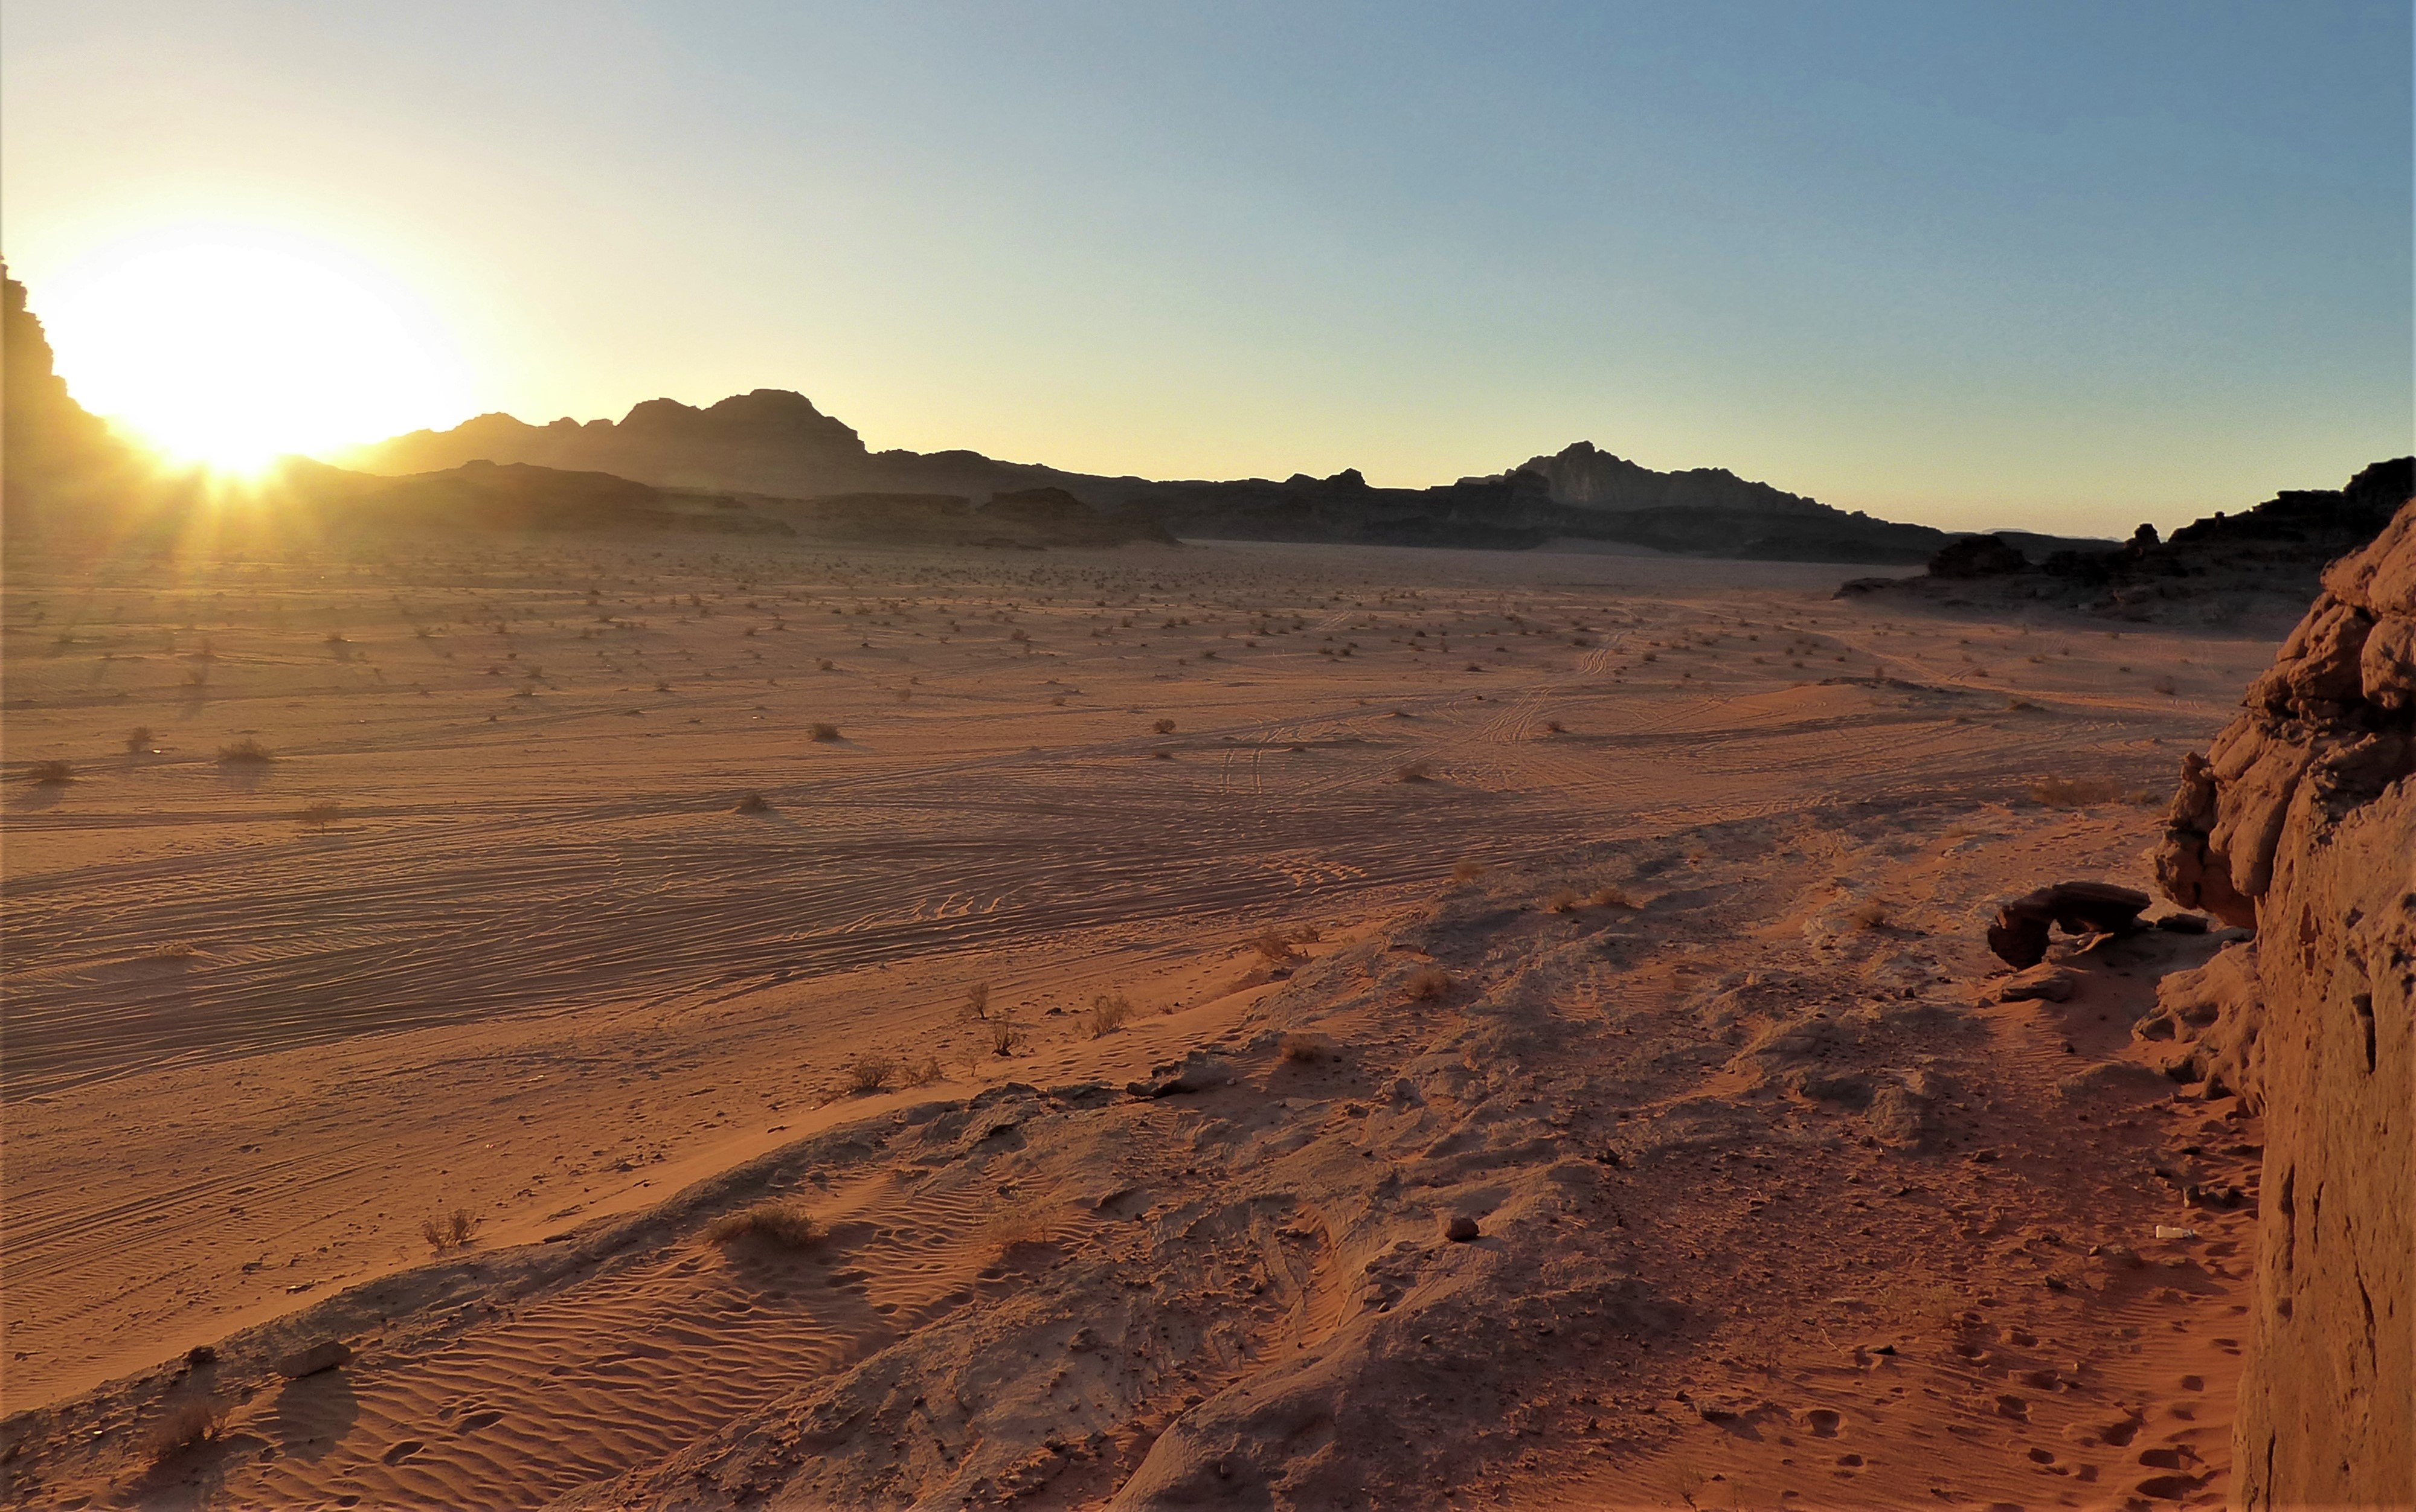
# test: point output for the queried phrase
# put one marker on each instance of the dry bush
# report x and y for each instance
(922, 1072)
(1563, 901)
(1017, 1230)
(452, 1232)
(49, 773)
(1162, 727)
(786, 1224)
(1468, 871)
(1414, 771)
(244, 753)
(1307, 934)
(752, 804)
(183, 1425)
(822, 732)
(1007, 1038)
(1306, 1049)
(1553, 726)
(172, 951)
(1427, 984)
(2166, 685)
(871, 1072)
(1274, 948)
(1612, 897)
(1108, 1014)
(321, 815)
(138, 739)
(977, 1001)
(2075, 792)
(1161, 753)
(1869, 914)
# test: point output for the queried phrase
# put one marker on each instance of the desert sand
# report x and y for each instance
(1460, 1029)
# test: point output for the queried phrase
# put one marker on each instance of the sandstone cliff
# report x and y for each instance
(2301, 822)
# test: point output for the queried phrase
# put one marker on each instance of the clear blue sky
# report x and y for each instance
(2063, 265)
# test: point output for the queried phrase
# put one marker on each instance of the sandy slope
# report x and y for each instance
(539, 969)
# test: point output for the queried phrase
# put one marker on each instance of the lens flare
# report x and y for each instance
(232, 348)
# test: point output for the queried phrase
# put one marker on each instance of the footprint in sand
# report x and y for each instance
(475, 1421)
(402, 1451)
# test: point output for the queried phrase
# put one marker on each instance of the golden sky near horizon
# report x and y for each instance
(1978, 270)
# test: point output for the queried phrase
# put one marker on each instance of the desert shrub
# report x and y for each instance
(1427, 984)
(1161, 753)
(977, 1001)
(822, 732)
(1277, 950)
(2075, 792)
(138, 739)
(1563, 901)
(1468, 871)
(49, 772)
(1162, 727)
(1612, 897)
(451, 1232)
(1108, 1014)
(1305, 1049)
(1414, 771)
(786, 1224)
(1553, 726)
(1869, 914)
(244, 753)
(1007, 1038)
(871, 1072)
(922, 1072)
(185, 1424)
(2166, 685)
(752, 804)
(320, 815)
(172, 951)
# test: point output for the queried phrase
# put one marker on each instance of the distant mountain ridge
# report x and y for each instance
(778, 444)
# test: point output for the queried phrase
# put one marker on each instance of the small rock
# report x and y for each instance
(2182, 923)
(1461, 1229)
(201, 1354)
(324, 1356)
(2055, 985)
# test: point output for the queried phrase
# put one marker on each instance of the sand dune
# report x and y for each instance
(1770, 1193)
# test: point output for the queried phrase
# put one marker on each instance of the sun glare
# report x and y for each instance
(231, 350)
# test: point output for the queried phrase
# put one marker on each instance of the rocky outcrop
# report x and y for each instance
(2301, 822)
(2250, 570)
(53, 450)
(2019, 934)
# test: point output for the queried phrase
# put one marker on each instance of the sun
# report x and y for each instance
(232, 348)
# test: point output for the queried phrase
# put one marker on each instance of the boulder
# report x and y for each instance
(2019, 934)
(311, 1359)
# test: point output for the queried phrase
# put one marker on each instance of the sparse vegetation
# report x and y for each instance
(1272, 946)
(244, 753)
(1306, 1049)
(1611, 897)
(922, 1072)
(186, 1425)
(869, 1072)
(822, 732)
(320, 815)
(1869, 914)
(452, 1232)
(49, 774)
(1109, 1014)
(977, 1001)
(1162, 727)
(1468, 871)
(1427, 984)
(138, 739)
(752, 804)
(786, 1224)
(1563, 901)
(1007, 1038)
(2075, 792)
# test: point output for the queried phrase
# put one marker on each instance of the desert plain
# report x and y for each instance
(705, 1022)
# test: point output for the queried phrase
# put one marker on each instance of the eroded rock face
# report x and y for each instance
(2301, 822)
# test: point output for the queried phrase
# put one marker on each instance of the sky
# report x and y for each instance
(2060, 266)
